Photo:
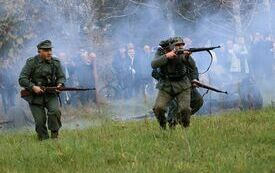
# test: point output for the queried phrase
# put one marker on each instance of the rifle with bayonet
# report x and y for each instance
(208, 87)
(25, 92)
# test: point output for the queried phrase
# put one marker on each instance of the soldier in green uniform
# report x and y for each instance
(196, 98)
(174, 83)
(195, 104)
(43, 70)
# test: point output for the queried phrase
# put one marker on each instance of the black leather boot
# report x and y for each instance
(160, 115)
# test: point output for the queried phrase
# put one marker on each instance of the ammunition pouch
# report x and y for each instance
(156, 74)
(174, 78)
(26, 95)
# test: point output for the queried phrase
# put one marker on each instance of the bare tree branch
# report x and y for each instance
(120, 16)
(144, 4)
(185, 18)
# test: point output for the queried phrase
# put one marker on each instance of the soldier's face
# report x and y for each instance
(179, 46)
(45, 53)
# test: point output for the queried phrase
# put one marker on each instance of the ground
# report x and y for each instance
(231, 142)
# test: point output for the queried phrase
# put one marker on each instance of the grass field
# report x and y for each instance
(233, 142)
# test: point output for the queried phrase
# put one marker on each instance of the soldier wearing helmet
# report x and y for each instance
(174, 83)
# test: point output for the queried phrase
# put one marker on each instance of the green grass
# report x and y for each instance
(234, 142)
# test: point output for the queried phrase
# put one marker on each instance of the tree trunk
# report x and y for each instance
(169, 15)
(267, 5)
(237, 16)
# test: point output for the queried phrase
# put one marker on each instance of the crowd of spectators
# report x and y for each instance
(238, 58)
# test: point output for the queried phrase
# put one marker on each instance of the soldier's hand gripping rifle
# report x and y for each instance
(25, 92)
(199, 84)
(207, 49)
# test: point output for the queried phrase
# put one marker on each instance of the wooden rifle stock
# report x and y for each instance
(199, 84)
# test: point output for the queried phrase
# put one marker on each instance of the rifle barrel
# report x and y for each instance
(69, 89)
(202, 49)
(76, 89)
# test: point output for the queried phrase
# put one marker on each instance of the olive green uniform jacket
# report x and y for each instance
(41, 73)
(175, 87)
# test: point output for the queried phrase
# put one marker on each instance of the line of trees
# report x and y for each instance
(25, 20)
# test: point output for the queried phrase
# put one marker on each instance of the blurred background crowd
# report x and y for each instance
(110, 46)
(241, 63)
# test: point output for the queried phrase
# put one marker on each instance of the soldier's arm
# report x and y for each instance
(192, 68)
(25, 76)
(60, 76)
(159, 60)
(195, 74)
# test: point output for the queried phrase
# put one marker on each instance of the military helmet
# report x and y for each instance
(165, 43)
(177, 41)
(46, 44)
(171, 41)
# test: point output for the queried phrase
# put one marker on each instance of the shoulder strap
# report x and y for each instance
(36, 61)
(53, 77)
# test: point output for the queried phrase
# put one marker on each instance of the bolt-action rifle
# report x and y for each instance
(199, 84)
(200, 49)
(25, 92)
